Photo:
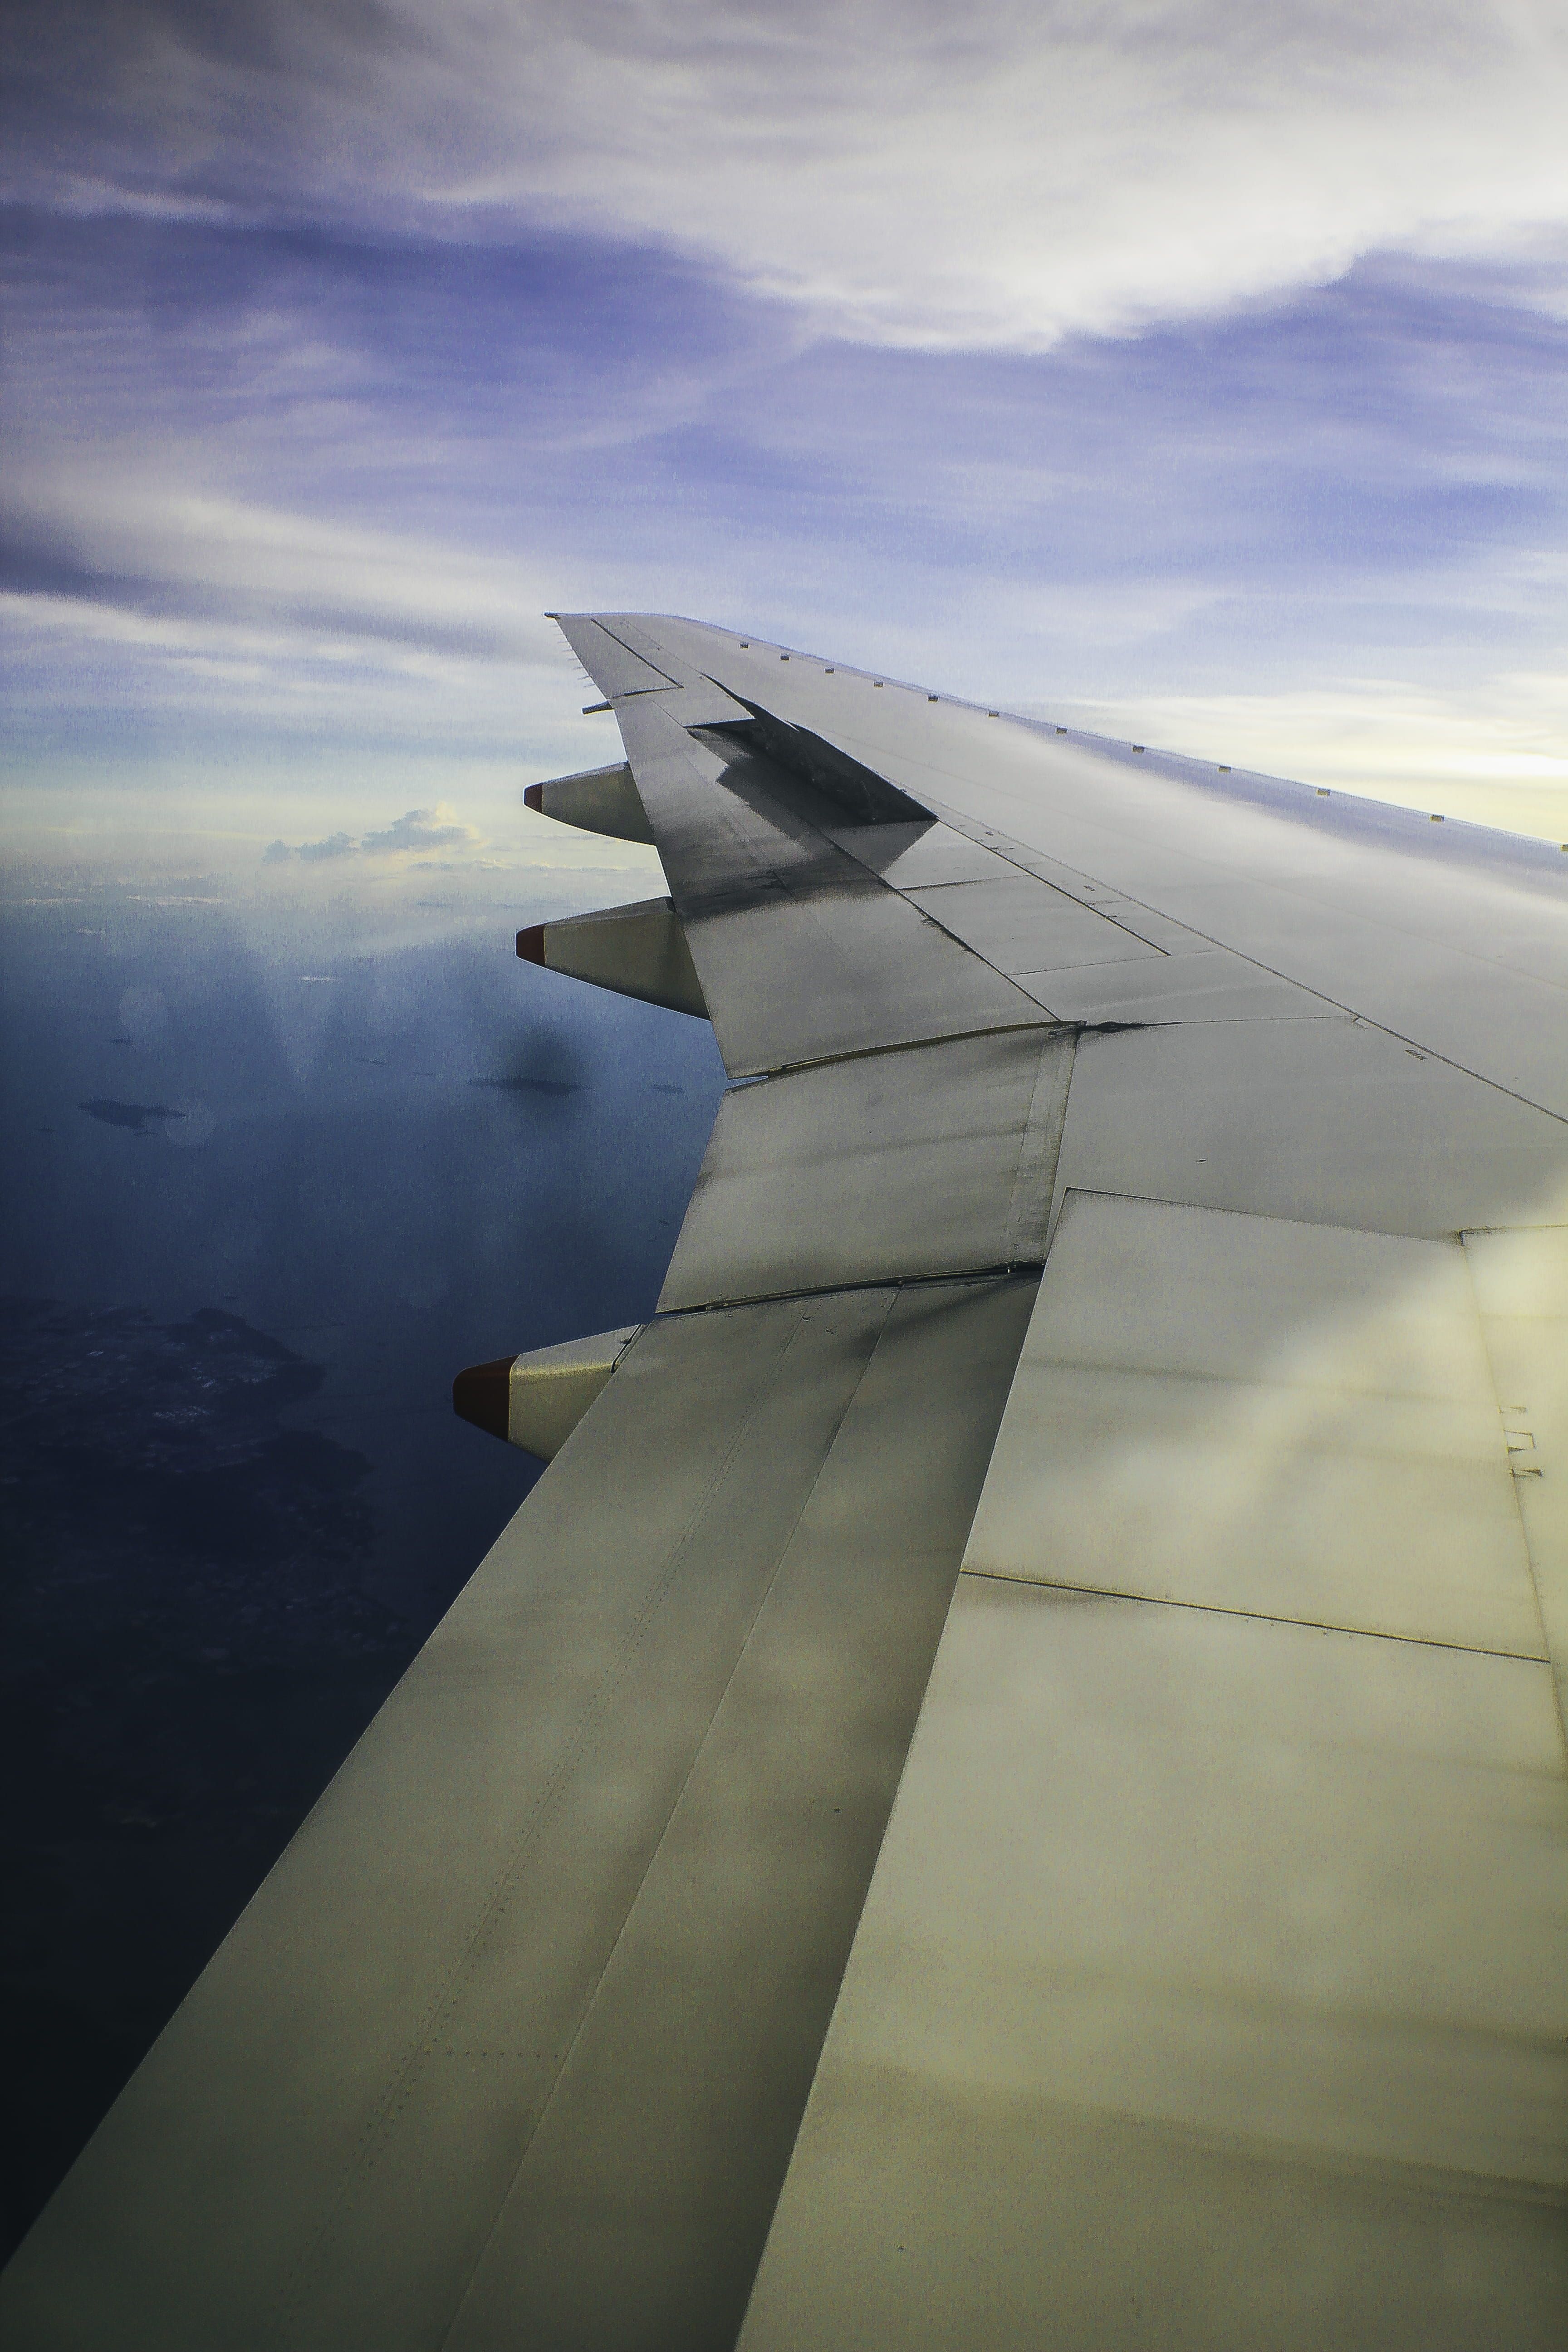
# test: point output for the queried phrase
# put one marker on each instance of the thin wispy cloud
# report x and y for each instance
(1142, 359)
(1000, 177)
(157, 547)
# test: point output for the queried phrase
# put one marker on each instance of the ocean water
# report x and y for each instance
(282, 1156)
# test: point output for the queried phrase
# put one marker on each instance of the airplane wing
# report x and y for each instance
(1007, 1786)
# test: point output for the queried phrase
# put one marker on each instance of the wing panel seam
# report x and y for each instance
(1254, 1616)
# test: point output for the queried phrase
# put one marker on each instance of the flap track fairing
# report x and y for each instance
(535, 1401)
(599, 800)
(638, 951)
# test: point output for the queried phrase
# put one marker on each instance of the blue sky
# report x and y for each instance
(1198, 372)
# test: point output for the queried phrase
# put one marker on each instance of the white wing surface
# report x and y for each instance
(1130, 1270)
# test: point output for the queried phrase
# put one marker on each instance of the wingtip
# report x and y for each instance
(483, 1395)
(533, 798)
(531, 943)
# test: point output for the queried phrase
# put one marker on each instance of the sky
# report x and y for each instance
(1193, 371)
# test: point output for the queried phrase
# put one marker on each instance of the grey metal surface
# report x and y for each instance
(595, 800)
(622, 658)
(638, 2215)
(1286, 1420)
(1209, 985)
(549, 1389)
(802, 952)
(1087, 953)
(638, 951)
(906, 855)
(1210, 1995)
(614, 668)
(510, 2047)
(1021, 924)
(999, 924)
(1212, 1990)
(1332, 1122)
(1454, 940)
(931, 1160)
(1521, 1289)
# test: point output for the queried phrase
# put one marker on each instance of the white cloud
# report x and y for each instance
(336, 844)
(157, 547)
(436, 828)
(996, 176)
(426, 829)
